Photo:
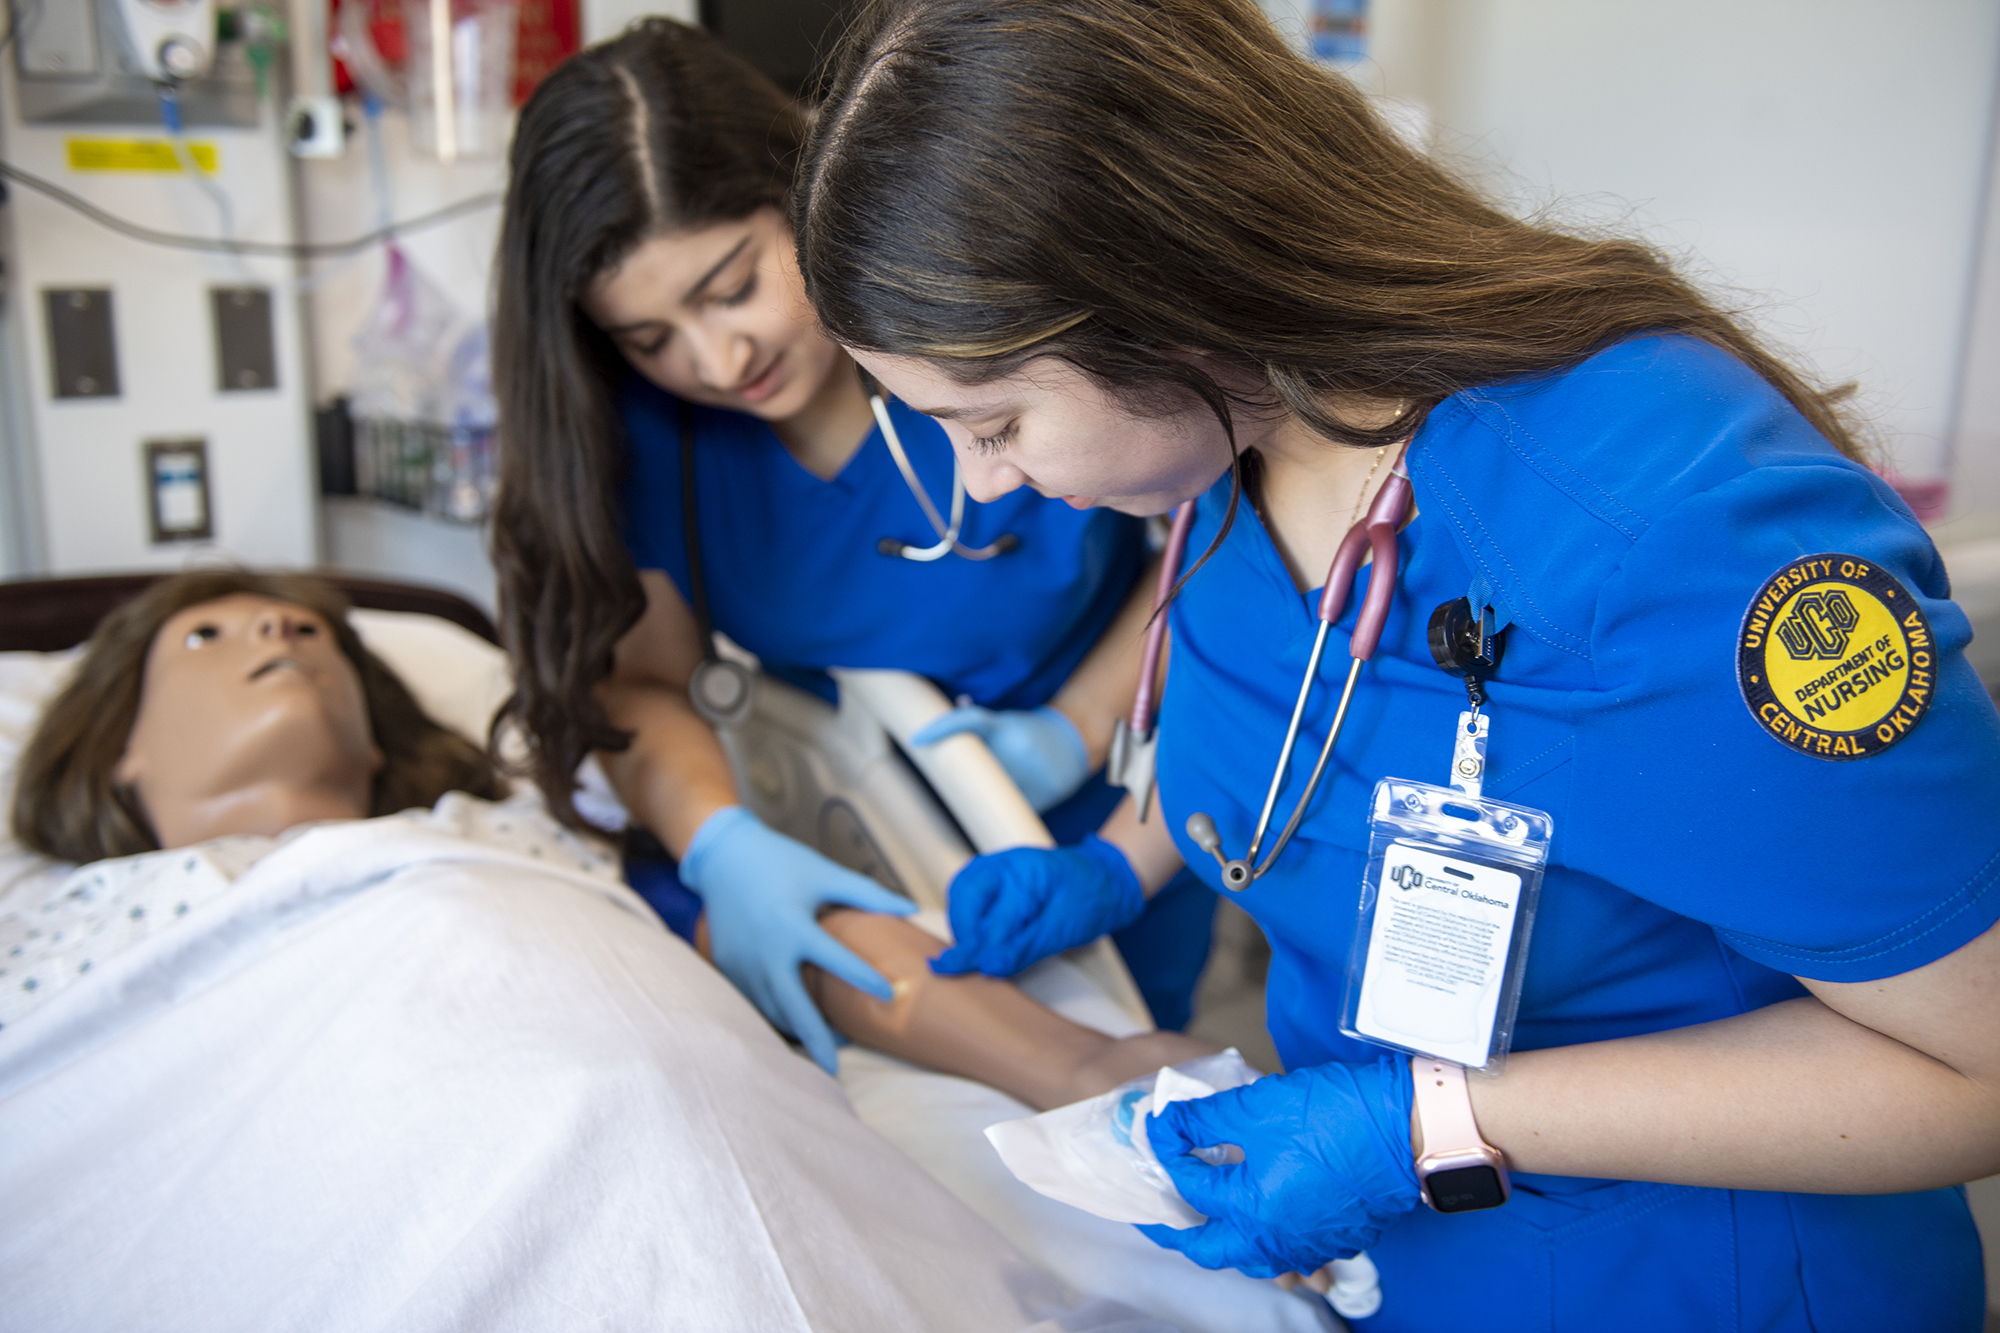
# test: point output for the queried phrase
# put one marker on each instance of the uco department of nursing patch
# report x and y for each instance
(1835, 658)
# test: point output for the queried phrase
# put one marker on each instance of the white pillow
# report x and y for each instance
(459, 678)
(27, 682)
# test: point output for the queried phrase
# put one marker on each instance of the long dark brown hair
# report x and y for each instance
(67, 801)
(657, 130)
(1116, 183)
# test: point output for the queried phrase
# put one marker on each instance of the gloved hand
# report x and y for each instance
(1040, 748)
(762, 893)
(1327, 1163)
(1009, 909)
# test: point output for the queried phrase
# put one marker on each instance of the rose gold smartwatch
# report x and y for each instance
(1459, 1172)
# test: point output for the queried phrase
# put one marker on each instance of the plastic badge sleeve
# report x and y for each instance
(1447, 903)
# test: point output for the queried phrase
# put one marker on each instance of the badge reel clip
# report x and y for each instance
(1449, 894)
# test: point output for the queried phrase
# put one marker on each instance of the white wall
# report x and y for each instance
(1976, 482)
(86, 467)
(603, 18)
(1823, 159)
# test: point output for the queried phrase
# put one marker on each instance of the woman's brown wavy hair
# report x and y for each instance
(68, 805)
(657, 130)
(1116, 183)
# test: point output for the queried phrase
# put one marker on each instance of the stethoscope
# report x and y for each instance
(720, 688)
(1134, 742)
(947, 542)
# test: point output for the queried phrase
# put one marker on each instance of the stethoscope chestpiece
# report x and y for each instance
(1236, 873)
(895, 550)
(721, 691)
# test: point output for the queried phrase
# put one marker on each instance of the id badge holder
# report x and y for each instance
(1446, 907)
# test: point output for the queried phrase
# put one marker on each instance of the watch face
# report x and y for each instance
(1464, 1189)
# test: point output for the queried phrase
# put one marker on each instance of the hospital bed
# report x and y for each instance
(307, 1073)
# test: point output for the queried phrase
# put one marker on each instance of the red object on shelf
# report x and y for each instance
(546, 33)
(385, 28)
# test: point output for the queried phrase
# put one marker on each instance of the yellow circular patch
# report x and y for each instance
(1835, 658)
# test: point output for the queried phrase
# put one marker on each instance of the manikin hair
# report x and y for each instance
(67, 801)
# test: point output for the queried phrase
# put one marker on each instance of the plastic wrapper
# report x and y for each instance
(1095, 1155)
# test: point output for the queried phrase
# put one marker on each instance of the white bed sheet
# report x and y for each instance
(316, 987)
(940, 1121)
(398, 1080)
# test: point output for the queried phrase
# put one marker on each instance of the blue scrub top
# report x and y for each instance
(794, 574)
(1624, 515)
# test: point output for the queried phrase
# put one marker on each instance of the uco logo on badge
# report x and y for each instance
(1446, 906)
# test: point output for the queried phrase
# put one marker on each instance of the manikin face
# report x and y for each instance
(718, 315)
(1053, 429)
(243, 695)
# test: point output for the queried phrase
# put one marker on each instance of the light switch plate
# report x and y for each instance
(83, 353)
(245, 356)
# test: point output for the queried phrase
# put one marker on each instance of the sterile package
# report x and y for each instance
(1095, 1155)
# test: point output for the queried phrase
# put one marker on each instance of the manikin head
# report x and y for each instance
(224, 701)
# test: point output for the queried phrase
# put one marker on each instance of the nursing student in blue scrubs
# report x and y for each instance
(647, 287)
(1759, 1036)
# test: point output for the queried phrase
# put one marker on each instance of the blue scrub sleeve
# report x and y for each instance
(1839, 869)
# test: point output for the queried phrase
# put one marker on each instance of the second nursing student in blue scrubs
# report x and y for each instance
(1758, 1039)
(647, 288)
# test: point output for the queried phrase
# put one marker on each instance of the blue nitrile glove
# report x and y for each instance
(1009, 909)
(762, 893)
(1327, 1163)
(1040, 748)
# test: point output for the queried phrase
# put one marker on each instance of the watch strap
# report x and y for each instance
(1444, 1106)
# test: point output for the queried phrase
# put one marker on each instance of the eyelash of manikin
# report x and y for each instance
(994, 443)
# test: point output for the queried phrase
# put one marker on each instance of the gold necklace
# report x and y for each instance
(1362, 499)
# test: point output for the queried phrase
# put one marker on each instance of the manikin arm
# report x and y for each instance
(979, 1027)
(976, 1027)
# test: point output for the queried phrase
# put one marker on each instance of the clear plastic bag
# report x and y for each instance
(1095, 1155)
